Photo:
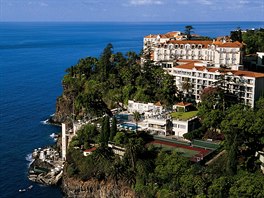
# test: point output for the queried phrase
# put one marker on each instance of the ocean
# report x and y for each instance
(33, 59)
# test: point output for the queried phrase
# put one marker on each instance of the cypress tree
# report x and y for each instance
(107, 129)
(113, 129)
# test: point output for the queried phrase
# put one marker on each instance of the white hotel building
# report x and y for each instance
(173, 46)
(249, 85)
(198, 62)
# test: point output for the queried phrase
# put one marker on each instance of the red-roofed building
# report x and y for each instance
(89, 151)
(250, 85)
(214, 52)
(174, 46)
(184, 105)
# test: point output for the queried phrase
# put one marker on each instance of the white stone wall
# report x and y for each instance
(143, 107)
(64, 141)
(180, 127)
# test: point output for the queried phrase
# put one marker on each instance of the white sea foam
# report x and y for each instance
(52, 135)
(45, 121)
(29, 159)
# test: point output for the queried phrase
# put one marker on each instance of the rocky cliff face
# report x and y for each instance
(64, 106)
(63, 110)
(95, 189)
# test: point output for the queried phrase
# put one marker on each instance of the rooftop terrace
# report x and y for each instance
(183, 115)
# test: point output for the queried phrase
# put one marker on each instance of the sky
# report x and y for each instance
(132, 10)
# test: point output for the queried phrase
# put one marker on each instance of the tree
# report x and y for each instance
(105, 64)
(119, 138)
(254, 40)
(136, 116)
(220, 187)
(236, 35)
(188, 31)
(113, 130)
(248, 185)
(235, 126)
(133, 148)
(105, 131)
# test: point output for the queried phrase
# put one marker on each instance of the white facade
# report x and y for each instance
(117, 149)
(144, 107)
(260, 155)
(171, 127)
(151, 41)
(159, 126)
(260, 61)
(181, 127)
(64, 141)
(214, 52)
(247, 85)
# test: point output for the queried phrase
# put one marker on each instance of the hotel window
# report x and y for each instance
(181, 126)
(250, 81)
(249, 89)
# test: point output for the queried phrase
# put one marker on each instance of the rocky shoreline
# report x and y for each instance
(47, 167)
(94, 188)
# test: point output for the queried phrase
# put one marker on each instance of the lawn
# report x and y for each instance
(184, 115)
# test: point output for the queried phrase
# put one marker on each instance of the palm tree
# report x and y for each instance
(186, 87)
(188, 31)
(137, 117)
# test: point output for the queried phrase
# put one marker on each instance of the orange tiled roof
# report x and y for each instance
(90, 150)
(151, 36)
(247, 73)
(183, 104)
(228, 44)
(203, 43)
(191, 65)
(158, 103)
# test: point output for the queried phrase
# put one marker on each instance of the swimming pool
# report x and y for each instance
(129, 126)
(122, 117)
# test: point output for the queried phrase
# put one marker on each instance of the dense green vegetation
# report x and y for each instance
(254, 39)
(155, 172)
(96, 85)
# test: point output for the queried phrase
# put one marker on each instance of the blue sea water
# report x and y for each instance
(33, 59)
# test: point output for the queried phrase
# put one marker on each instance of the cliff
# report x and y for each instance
(95, 189)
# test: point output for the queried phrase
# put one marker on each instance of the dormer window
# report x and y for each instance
(200, 46)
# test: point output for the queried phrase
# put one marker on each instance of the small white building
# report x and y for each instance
(159, 126)
(89, 151)
(181, 127)
(118, 150)
(147, 108)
